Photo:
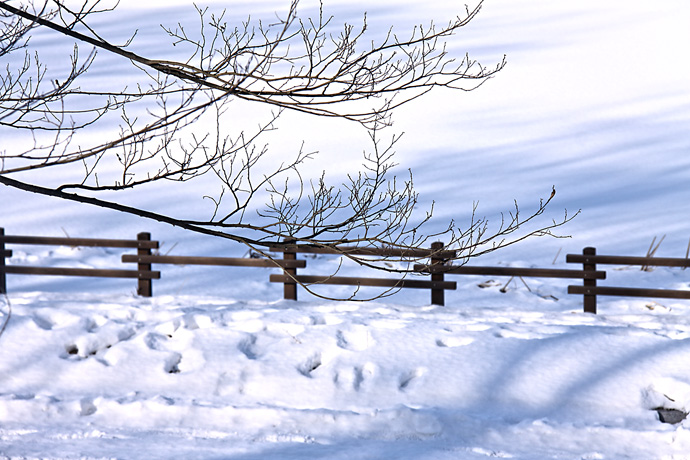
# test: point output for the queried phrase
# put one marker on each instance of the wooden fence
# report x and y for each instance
(437, 268)
(436, 254)
(143, 273)
(441, 270)
(288, 264)
(589, 260)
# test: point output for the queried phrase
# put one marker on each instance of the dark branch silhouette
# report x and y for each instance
(175, 125)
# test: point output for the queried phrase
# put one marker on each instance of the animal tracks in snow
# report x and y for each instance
(176, 349)
(341, 346)
(44, 323)
(452, 342)
(172, 363)
(356, 338)
(248, 347)
(354, 378)
(410, 379)
(310, 365)
(98, 339)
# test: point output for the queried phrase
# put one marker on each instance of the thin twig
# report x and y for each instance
(651, 251)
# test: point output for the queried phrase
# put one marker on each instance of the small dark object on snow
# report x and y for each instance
(671, 416)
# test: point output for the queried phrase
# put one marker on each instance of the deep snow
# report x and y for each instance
(514, 375)
(594, 101)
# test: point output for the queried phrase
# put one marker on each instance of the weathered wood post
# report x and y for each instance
(145, 286)
(589, 300)
(290, 285)
(437, 295)
(3, 281)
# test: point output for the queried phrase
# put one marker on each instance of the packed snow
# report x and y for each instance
(594, 101)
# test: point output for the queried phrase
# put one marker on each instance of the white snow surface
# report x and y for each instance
(494, 375)
(595, 101)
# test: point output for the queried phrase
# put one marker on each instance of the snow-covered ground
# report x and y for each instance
(492, 375)
(595, 100)
(521, 374)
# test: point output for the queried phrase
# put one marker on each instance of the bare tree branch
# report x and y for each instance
(175, 126)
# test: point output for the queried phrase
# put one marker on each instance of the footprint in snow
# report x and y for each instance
(88, 407)
(233, 381)
(174, 349)
(451, 342)
(191, 361)
(355, 338)
(44, 323)
(513, 332)
(310, 365)
(101, 339)
(49, 319)
(249, 348)
(355, 377)
(156, 341)
(172, 363)
(411, 378)
(324, 320)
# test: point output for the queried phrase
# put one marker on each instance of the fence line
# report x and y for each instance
(437, 268)
(437, 286)
(589, 290)
(143, 274)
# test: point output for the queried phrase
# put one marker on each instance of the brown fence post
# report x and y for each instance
(437, 295)
(590, 300)
(3, 280)
(290, 286)
(145, 287)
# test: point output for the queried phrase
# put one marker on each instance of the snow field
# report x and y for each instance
(511, 380)
(594, 100)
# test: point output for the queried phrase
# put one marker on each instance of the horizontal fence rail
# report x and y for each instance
(217, 261)
(629, 292)
(510, 271)
(628, 260)
(146, 260)
(589, 290)
(93, 272)
(355, 281)
(78, 242)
